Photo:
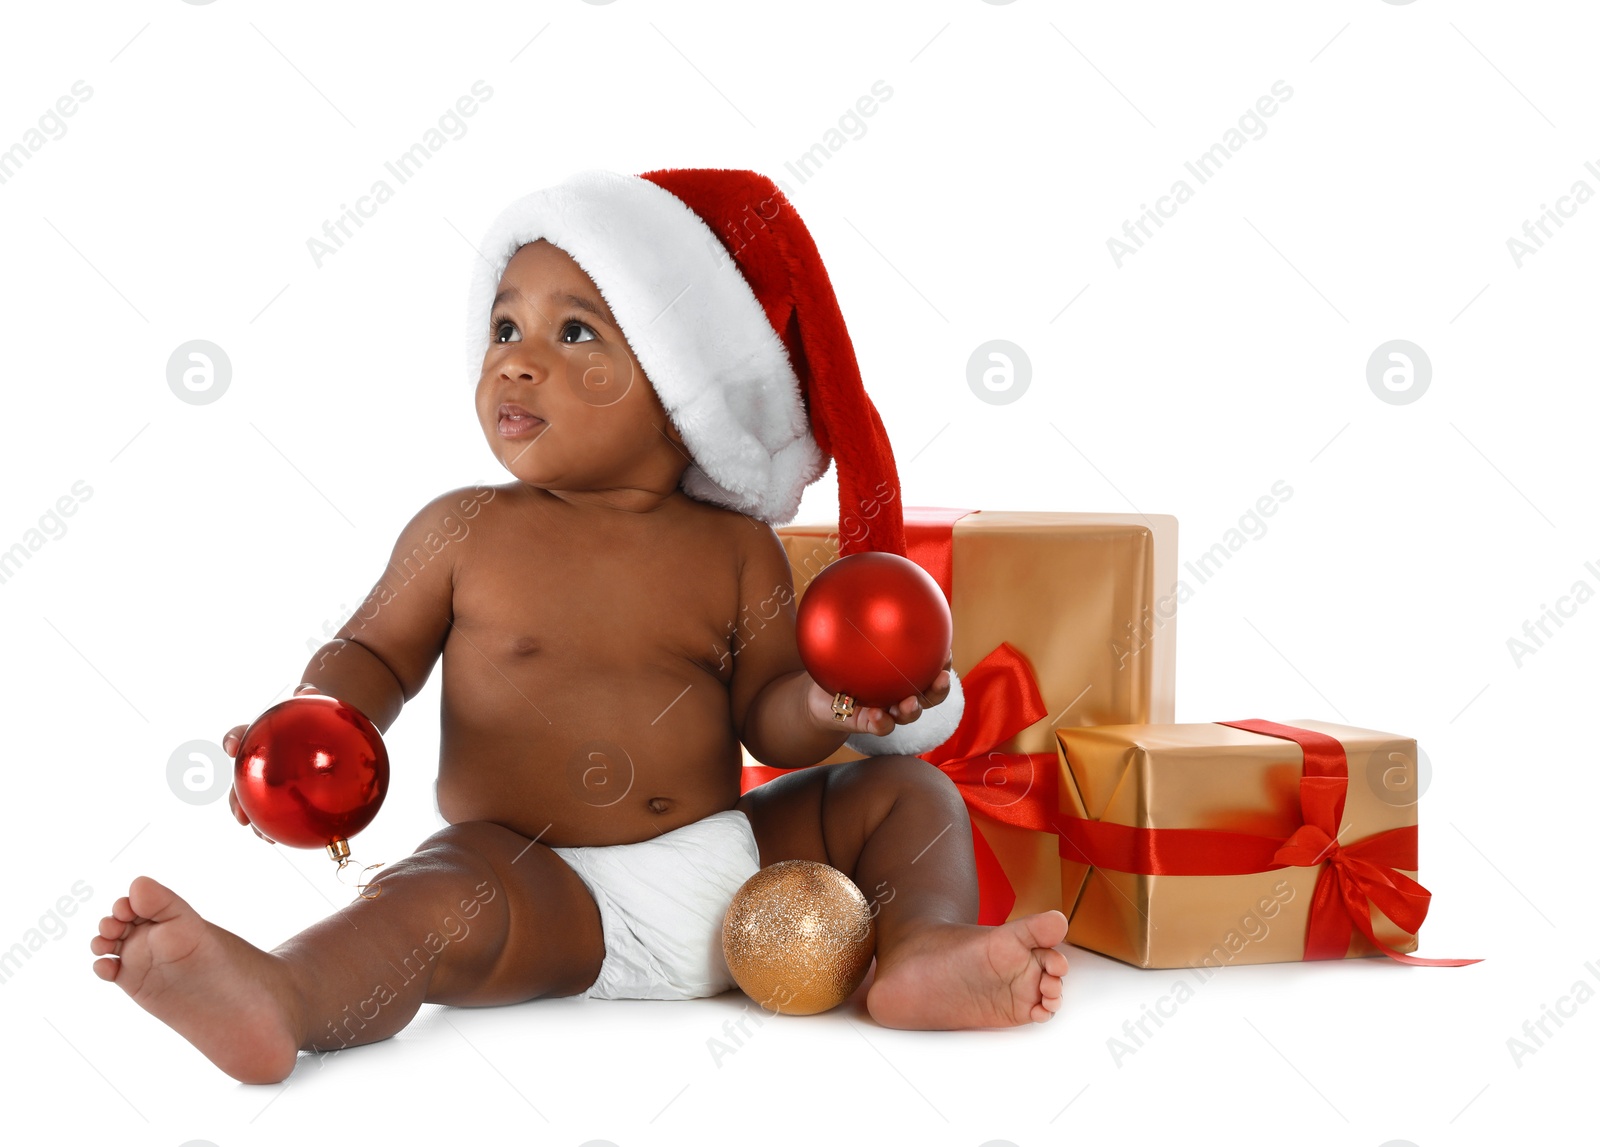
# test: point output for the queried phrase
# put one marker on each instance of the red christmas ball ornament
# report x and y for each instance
(311, 772)
(874, 627)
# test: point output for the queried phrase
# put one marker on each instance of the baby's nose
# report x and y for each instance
(524, 368)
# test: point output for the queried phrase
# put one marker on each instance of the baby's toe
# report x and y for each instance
(105, 946)
(112, 928)
(1044, 929)
(1053, 961)
(123, 910)
(107, 968)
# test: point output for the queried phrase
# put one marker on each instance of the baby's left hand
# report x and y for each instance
(870, 718)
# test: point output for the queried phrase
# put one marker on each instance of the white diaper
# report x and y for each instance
(662, 902)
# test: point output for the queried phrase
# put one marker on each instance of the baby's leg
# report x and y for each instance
(479, 915)
(898, 827)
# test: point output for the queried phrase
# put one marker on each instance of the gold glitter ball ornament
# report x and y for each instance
(798, 937)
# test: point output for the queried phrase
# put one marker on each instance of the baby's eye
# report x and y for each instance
(570, 323)
(499, 325)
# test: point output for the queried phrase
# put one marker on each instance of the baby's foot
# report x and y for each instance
(227, 997)
(972, 976)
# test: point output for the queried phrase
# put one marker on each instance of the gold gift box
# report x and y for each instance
(1089, 599)
(1211, 776)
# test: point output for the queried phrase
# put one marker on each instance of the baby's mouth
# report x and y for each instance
(519, 425)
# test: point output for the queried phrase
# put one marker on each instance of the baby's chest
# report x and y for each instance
(598, 610)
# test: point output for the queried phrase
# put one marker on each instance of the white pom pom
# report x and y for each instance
(930, 730)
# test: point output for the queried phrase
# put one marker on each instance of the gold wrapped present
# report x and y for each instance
(1240, 842)
(1061, 619)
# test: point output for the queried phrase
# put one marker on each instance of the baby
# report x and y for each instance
(597, 686)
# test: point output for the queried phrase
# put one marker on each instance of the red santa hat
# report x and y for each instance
(727, 307)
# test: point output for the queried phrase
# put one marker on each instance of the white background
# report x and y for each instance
(1228, 354)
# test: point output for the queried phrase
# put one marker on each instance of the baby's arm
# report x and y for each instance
(768, 691)
(784, 717)
(383, 655)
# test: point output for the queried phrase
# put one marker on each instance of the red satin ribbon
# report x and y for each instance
(1354, 877)
(930, 541)
(1002, 699)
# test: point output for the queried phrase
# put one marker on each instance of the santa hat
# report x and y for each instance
(728, 309)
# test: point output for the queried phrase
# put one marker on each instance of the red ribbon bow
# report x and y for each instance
(1354, 877)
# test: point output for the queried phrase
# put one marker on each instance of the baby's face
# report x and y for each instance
(561, 399)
